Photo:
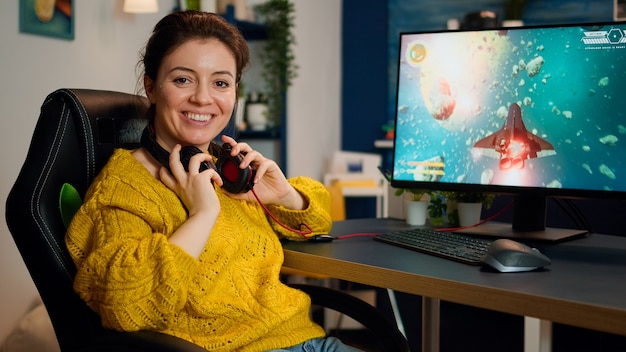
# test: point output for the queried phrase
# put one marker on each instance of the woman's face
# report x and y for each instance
(194, 93)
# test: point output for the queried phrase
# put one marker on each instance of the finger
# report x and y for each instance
(252, 158)
(167, 178)
(261, 169)
(178, 171)
(211, 175)
(196, 163)
(229, 140)
(233, 144)
(236, 148)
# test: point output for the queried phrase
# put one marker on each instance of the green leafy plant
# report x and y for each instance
(470, 197)
(436, 204)
(414, 194)
(436, 209)
(277, 58)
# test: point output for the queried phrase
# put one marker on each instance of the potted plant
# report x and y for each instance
(464, 208)
(436, 209)
(276, 57)
(416, 205)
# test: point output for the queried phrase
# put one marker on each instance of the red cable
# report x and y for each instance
(308, 230)
(439, 230)
(478, 223)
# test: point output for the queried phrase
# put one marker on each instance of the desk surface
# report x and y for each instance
(585, 286)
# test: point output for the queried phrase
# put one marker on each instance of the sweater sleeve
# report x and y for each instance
(127, 271)
(316, 215)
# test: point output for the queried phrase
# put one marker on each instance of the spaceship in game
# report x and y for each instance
(513, 144)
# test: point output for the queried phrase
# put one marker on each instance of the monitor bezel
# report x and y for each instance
(573, 193)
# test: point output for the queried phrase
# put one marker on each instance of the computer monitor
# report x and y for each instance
(534, 112)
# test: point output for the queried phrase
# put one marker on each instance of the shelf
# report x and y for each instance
(266, 134)
(383, 143)
(250, 30)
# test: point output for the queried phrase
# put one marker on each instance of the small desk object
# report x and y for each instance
(584, 286)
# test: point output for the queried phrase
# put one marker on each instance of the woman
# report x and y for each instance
(175, 252)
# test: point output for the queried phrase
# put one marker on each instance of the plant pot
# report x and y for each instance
(257, 116)
(469, 213)
(239, 113)
(416, 212)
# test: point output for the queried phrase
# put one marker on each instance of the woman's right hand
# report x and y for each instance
(197, 193)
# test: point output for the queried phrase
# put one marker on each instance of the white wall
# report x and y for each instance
(103, 56)
(314, 100)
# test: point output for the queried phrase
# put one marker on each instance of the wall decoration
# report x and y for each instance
(52, 18)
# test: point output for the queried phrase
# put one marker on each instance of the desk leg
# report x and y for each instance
(537, 335)
(396, 311)
(430, 324)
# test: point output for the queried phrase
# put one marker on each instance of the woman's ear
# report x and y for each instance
(148, 86)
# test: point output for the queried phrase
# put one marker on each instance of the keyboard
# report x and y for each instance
(448, 245)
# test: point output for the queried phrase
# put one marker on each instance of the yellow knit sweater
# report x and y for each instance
(228, 299)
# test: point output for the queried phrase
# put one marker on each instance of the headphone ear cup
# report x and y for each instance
(236, 179)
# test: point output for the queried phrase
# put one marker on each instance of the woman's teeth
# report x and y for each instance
(197, 117)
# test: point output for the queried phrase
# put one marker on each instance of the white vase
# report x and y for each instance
(239, 113)
(469, 213)
(512, 23)
(416, 212)
(257, 116)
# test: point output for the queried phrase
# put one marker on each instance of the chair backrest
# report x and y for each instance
(76, 133)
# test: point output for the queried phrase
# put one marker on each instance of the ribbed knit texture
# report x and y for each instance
(229, 299)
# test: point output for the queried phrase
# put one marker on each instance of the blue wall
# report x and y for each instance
(370, 32)
(370, 29)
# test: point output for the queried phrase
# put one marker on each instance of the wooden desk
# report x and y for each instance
(583, 287)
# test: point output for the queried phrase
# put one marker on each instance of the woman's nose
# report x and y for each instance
(203, 95)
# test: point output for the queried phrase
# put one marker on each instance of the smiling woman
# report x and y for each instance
(160, 246)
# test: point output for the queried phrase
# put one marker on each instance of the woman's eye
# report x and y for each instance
(182, 80)
(222, 84)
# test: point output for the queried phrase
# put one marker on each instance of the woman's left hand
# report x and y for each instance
(270, 184)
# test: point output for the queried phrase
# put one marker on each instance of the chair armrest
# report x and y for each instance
(359, 310)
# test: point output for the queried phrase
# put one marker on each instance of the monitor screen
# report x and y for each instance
(528, 110)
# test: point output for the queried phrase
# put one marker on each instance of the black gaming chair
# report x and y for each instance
(76, 133)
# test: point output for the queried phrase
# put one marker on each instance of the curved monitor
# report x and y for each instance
(531, 111)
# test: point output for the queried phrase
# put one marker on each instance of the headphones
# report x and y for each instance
(236, 179)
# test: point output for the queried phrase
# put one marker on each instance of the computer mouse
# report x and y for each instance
(507, 256)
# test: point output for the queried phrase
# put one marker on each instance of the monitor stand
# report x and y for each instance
(505, 230)
(529, 219)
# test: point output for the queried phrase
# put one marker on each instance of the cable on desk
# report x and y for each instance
(446, 229)
(364, 234)
(578, 217)
(494, 216)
